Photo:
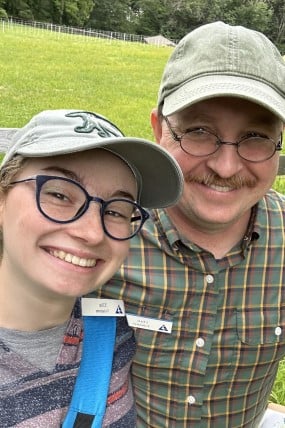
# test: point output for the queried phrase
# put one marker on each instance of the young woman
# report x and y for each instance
(71, 190)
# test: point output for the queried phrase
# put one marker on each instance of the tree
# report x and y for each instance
(76, 12)
(184, 16)
(252, 14)
(19, 9)
(41, 10)
(149, 15)
(171, 18)
(112, 15)
(277, 28)
(175, 18)
(3, 13)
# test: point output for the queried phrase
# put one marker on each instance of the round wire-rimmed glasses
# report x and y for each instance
(201, 142)
(63, 200)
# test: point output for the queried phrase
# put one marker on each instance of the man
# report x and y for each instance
(204, 283)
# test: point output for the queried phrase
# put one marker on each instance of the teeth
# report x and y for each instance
(221, 188)
(74, 260)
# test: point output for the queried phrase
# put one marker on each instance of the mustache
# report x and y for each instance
(235, 182)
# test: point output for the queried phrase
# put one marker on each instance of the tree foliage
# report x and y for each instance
(172, 18)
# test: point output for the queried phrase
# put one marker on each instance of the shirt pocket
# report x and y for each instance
(260, 347)
(261, 325)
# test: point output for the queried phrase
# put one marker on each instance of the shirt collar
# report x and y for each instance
(167, 231)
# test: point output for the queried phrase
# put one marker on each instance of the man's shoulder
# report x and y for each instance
(273, 200)
(271, 212)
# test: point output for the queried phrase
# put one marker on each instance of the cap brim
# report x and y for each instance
(213, 86)
(162, 180)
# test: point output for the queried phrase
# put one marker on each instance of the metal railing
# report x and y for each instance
(60, 30)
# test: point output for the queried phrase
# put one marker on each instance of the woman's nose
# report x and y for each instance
(89, 226)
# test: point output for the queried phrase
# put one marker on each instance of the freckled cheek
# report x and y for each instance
(23, 217)
(18, 230)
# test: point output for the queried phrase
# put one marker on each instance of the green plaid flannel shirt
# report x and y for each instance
(217, 367)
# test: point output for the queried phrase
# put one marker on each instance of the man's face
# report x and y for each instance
(222, 187)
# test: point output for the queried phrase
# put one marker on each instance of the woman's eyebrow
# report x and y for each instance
(124, 194)
(120, 193)
(67, 172)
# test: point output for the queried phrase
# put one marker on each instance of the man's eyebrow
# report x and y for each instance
(187, 120)
(259, 119)
(264, 119)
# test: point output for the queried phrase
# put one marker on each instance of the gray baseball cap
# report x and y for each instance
(217, 60)
(59, 132)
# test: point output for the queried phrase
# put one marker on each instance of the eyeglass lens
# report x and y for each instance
(64, 201)
(203, 143)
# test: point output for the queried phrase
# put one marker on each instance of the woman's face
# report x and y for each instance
(47, 258)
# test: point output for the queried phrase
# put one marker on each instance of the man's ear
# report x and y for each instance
(156, 124)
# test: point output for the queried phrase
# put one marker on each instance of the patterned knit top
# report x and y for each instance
(35, 398)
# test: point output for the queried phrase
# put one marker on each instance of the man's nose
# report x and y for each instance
(226, 161)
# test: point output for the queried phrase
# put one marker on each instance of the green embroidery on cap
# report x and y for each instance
(93, 122)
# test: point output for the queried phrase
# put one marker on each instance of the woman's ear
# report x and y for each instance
(155, 121)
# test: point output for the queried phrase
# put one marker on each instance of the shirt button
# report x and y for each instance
(191, 399)
(278, 331)
(200, 342)
(209, 279)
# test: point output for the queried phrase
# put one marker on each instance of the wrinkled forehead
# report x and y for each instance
(209, 108)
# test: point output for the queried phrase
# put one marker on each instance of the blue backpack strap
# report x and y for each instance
(88, 403)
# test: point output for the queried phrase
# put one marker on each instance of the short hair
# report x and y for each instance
(7, 176)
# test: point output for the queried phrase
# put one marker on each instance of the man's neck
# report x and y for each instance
(218, 241)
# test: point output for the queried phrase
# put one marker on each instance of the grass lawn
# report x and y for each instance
(42, 70)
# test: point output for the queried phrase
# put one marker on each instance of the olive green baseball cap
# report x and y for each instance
(217, 60)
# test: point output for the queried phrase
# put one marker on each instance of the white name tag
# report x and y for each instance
(153, 324)
(93, 307)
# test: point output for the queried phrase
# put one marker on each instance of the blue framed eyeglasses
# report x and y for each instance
(63, 200)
